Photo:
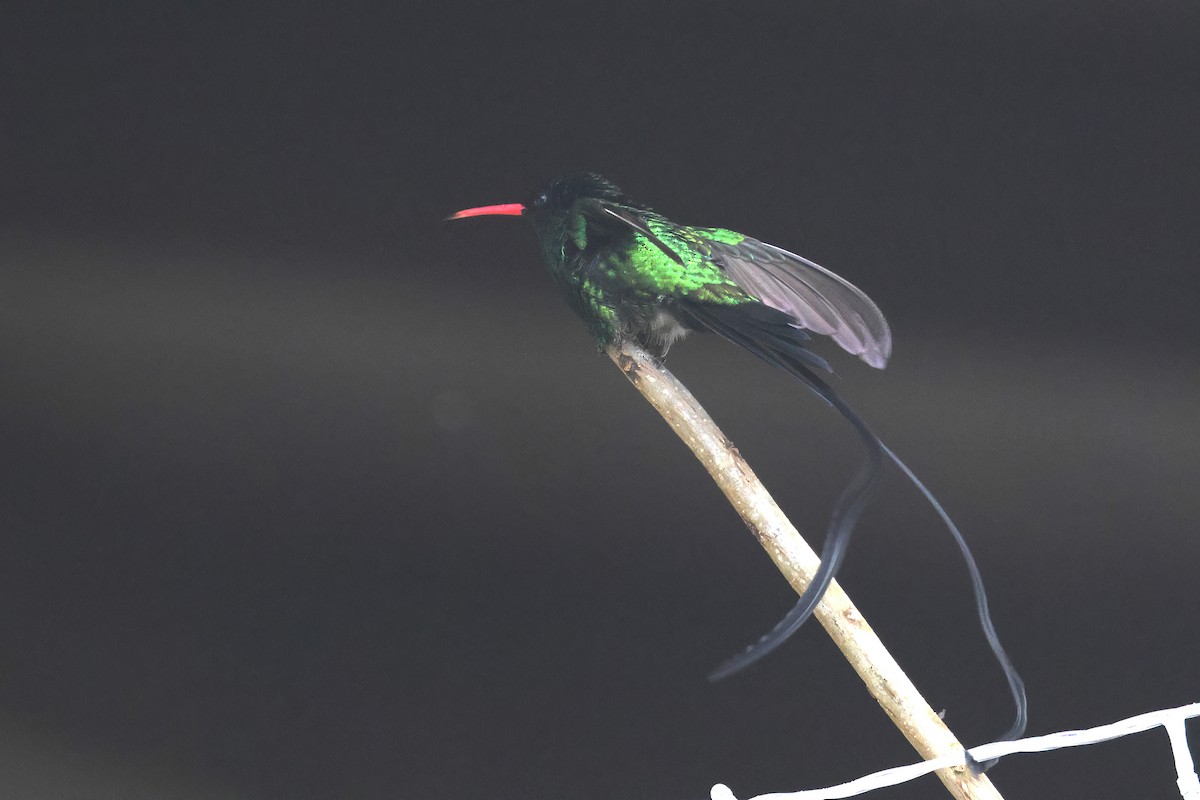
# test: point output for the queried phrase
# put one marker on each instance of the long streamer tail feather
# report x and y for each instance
(1016, 685)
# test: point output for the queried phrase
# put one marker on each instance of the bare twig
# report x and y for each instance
(886, 682)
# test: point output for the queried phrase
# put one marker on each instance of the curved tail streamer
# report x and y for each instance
(769, 338)
(837, 540)
(1015, 685)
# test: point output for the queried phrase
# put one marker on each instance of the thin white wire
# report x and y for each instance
(1171, 718)
(1188, 782)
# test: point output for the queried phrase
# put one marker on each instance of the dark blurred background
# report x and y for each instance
(306, 494)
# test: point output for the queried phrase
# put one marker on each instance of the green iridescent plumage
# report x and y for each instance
(647, 268)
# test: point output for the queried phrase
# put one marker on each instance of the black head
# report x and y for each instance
(556, 213)
(555, 200)
(562, 193)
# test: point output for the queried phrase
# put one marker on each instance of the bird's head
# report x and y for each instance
(551, 208)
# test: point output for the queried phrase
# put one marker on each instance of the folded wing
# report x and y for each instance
(817, 299)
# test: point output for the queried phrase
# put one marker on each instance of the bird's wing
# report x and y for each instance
(817, 299)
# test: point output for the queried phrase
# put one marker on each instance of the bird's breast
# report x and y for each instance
(663, 329)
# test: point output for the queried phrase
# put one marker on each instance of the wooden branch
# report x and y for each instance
(886, 682)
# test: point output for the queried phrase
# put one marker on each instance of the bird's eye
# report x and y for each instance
(541, 199)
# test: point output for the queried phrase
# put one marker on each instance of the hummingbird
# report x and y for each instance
(633, 274)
